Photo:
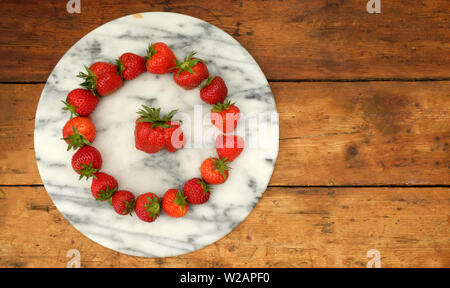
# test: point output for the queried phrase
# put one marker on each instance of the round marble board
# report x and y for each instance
(139, 172)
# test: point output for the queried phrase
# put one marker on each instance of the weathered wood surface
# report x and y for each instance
(313, 39)
(352, 133)
(314, 227)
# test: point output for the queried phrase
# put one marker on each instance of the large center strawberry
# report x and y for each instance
(154, 132)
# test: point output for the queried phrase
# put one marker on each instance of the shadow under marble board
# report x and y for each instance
(230, 203)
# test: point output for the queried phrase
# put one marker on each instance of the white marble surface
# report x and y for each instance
(139, 172)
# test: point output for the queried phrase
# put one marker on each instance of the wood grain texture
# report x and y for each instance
(314, 227)
(355, 133)
(313, 39)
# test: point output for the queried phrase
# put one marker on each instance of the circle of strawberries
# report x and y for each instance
(153, 131)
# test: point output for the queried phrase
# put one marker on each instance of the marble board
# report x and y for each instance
(230, 203)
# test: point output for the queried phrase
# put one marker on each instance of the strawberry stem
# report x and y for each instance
(187, 64)
(180, 200)
(87, 171)
(153, 207)
(219, 107)
(106, 194)
(220, 165)
(69, 107)
(208, 81)
(90, 80)
(153, 116)
(76, 140)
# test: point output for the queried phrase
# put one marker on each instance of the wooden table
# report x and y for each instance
(364, 106)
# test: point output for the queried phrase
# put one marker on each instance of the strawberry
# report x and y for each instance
(79, 131)
(80, 102)
(174, 203)
(214, 90)
(196, 191)
(190, 73)
(160, 59)
(225, 116)
(123, 202)
(131, 65)
(229, 146)
(100, 68)
(103, 186)
(101, 78)
(87, 161)
(174, 137)
(148, 207)
(215, 171)
(154, 132)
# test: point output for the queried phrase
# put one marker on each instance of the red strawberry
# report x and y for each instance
(101, 78)
(229, 146)
(159, 58)
(100, 68)
(154, 132)
(123, 202)
(80, 102)
(214, 171)
(174, 203)
(214, 90)
(87, 161)
(190, 73)
(225, 116)
(79, 131)
(103, 186)
(174, 136)
(131, 65)
(108, 83)
(196, 191)
(147, 207)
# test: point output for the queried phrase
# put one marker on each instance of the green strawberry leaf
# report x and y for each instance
(221, 165)
(219, 107)
(87, 171)
(69, 107)
(76, 140)
(153, 116)
(153, 207)
(180, 200)
(90, 80)
(106, 194)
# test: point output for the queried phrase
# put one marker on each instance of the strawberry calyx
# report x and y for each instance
(187, 64)
(153, 116)
(120, 67)
(219, 107)
(69, 107)
(153, 207)
(87, 171)
(180, 200)
(208, 81)
(90, 80)
(220, 165)
(204, 185)
(129, 206)
(106, 194)
(76, 140)
(150, 52)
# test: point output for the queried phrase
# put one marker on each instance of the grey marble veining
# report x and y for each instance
(139, 172)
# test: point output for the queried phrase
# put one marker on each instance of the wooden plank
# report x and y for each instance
(289, 227)
(313, 39)
(355, 133)
(365, 133)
